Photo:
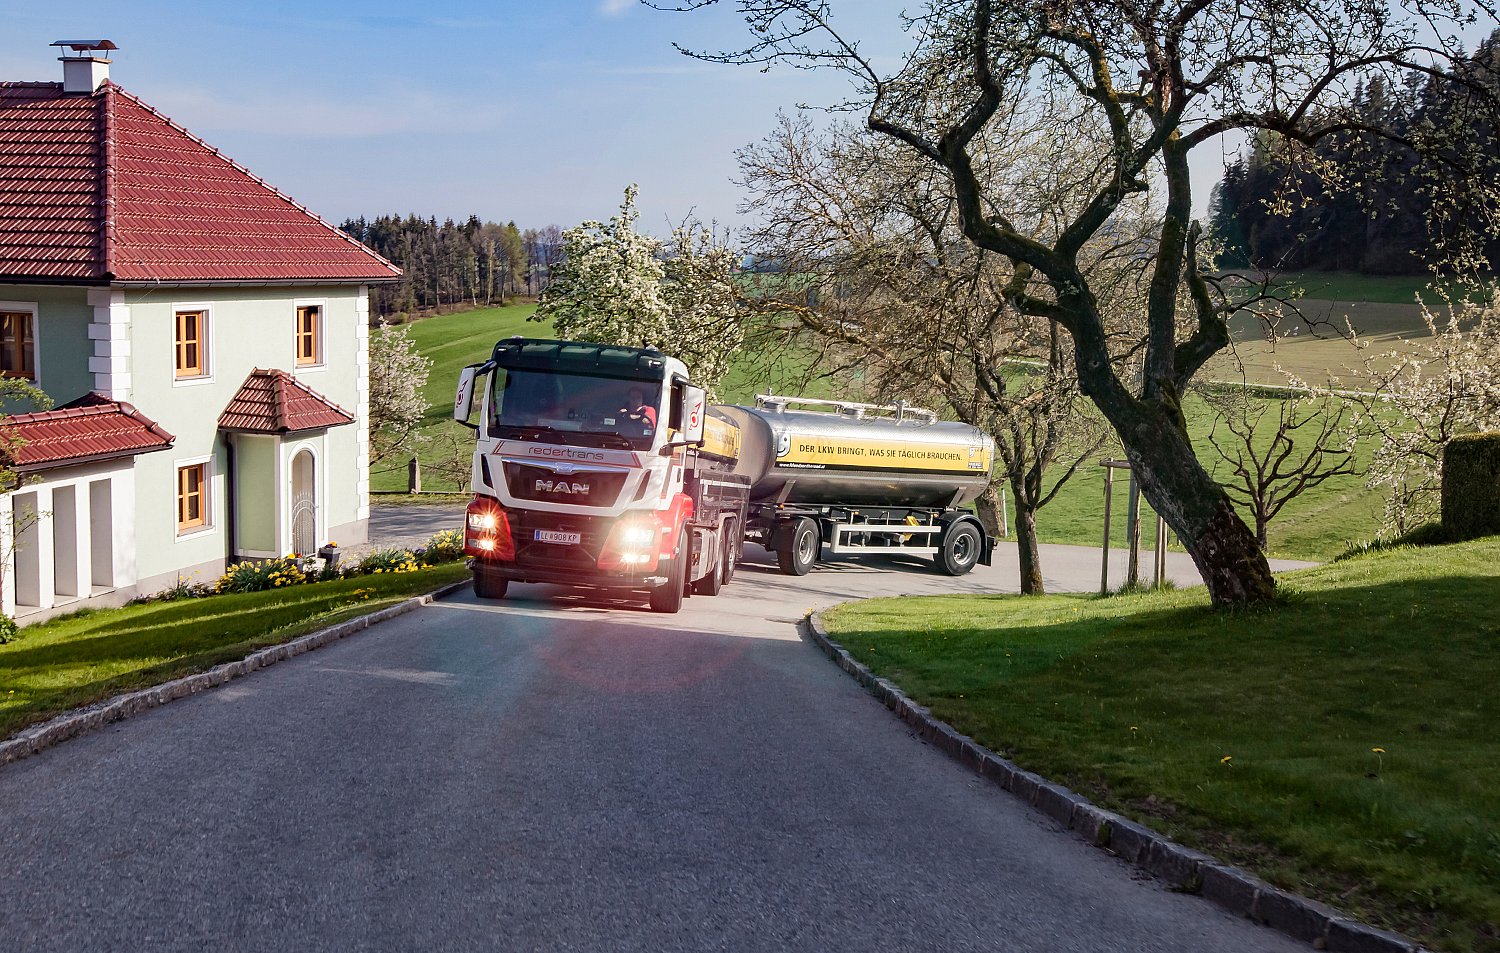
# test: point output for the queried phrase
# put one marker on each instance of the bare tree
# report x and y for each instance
(873, 265)
(1164, 79)
(1274, 450)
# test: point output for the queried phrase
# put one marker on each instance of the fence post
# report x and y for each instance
(414, 476)
(1109, 486)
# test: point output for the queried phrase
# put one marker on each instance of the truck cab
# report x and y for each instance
(589, 471)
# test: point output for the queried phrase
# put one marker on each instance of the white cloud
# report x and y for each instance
(613, 8)
(305, 115)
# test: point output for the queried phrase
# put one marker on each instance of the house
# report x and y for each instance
(203, 336)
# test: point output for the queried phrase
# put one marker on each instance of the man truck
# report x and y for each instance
(604, 466)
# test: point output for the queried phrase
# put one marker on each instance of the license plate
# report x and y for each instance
(557, 536)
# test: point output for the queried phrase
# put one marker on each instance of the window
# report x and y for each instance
(17, 345)
(192, 344)
(309, 334)
(192, 497)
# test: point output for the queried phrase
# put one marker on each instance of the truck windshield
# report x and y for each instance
(554, 407)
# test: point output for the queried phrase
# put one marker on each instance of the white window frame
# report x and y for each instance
(32, 308)
(322, 305)
(210, 525)
(208, 345)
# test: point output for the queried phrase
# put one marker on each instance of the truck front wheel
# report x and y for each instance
(797, 549)
(487, 585)
(668, 598)
(959, 549)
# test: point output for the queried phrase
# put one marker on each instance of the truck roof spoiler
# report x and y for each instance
(900, 410)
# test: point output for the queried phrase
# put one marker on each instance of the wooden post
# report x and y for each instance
(1159, 556)
(414, 476)
(1133, 534)
(1109, 484)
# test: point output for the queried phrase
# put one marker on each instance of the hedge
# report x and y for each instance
(1471, 486)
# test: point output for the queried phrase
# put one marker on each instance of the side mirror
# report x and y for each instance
(463, 399)
(694, 414)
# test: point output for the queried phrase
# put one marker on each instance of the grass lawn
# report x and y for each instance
(93, 654)
(1137, 701)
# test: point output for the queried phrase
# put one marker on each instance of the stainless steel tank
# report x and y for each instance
(858, 454)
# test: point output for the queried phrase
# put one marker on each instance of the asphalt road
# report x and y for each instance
(561, 772)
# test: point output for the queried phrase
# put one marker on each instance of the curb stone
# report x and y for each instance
(71, 724)
(1183, 868)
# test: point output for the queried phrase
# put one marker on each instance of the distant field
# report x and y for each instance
(1312, 334)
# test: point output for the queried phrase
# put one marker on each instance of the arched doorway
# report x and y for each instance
(304, 504)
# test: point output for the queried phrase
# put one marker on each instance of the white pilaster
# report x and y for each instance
(7, 555)
(362, 404)
(110, 332)
(122, 502)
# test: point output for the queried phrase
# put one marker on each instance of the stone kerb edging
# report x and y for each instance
(1184, 868)
(73, 723)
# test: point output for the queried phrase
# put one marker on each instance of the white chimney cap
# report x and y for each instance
(82, 46)
(88, 66)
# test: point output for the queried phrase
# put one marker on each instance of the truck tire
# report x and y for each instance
(488, 585)
(959, 548)
(732, 543)
(668, 598)
(710, 584)
(797, 549)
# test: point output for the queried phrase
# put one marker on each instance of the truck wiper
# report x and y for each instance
(610, 439)
(530, 432)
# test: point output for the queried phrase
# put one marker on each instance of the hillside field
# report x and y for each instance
(1319, 525)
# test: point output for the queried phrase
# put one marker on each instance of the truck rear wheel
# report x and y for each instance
(668, 598)
(732, 543)
(797, 549)
(710, 584)
(959, 549)
(487, 585)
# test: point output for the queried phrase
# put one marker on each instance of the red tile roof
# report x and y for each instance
(99, 187)
(275, 402)
(93, 427)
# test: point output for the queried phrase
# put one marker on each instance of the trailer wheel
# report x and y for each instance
(797, 549)
(668, 598)
(959, 549)
(488, 585)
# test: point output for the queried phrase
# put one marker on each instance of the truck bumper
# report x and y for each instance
(570, 576)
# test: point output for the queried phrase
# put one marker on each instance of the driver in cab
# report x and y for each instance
(637, 410)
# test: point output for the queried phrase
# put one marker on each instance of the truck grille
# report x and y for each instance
(583, 555)
(588, 487)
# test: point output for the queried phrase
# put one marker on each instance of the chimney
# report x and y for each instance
(85, 65)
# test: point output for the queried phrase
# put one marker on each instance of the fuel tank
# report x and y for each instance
(858, 454)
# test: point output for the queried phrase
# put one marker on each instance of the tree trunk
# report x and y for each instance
(988, 509)
(1224, 549)
(1026, 550)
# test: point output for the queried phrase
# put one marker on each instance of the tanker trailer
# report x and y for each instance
(861, 478)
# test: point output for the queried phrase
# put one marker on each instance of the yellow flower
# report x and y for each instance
(1226, 759)
(1378, 750)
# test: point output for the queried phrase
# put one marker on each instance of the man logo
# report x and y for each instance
(562, 487)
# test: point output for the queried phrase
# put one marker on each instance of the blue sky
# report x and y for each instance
(539, 112)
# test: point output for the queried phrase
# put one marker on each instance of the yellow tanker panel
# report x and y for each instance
(839, 451)
(721, 437)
